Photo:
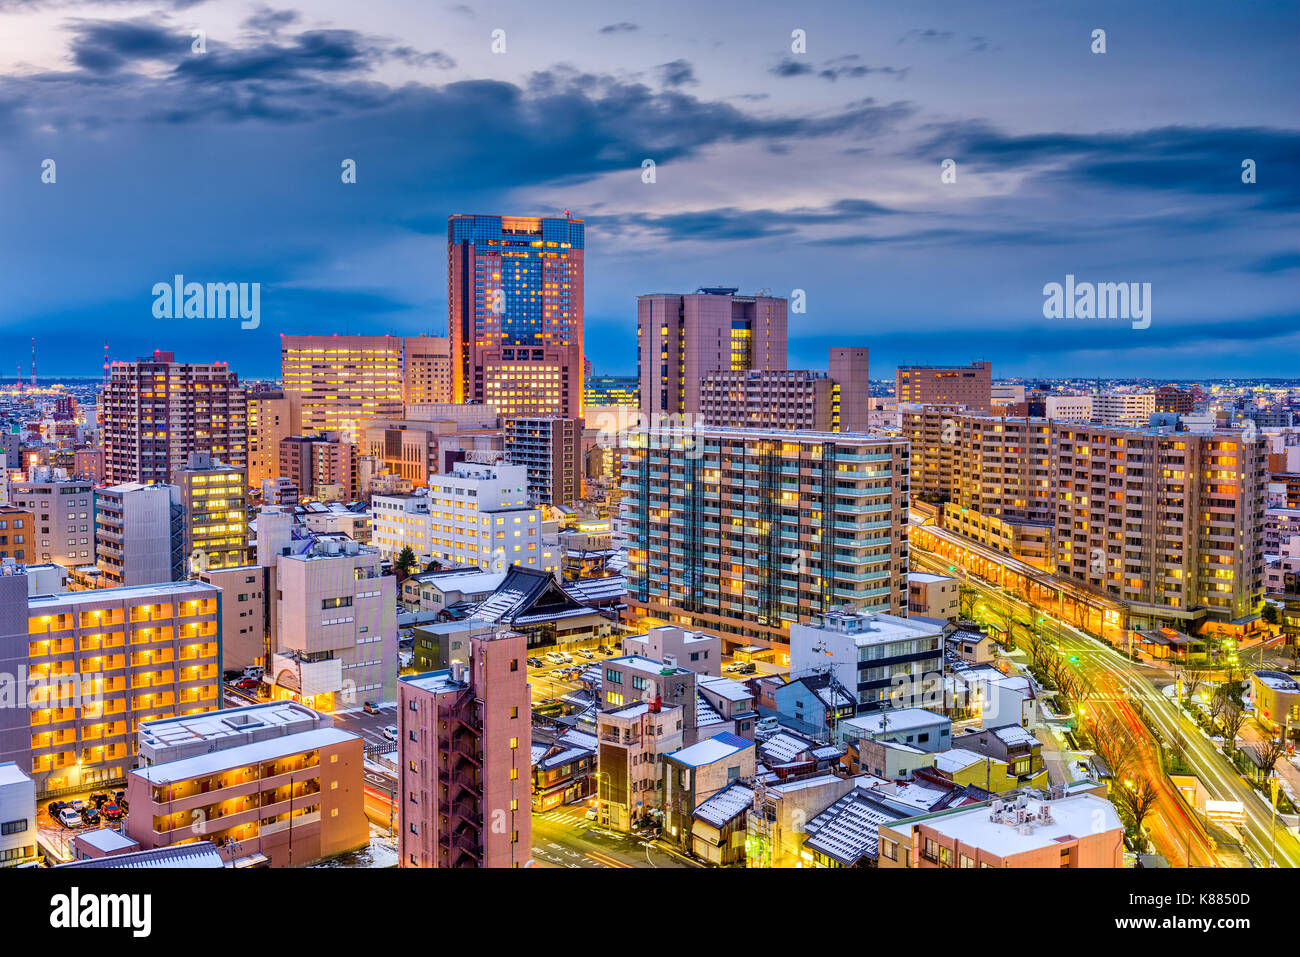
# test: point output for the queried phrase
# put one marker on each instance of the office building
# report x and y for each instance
(604, 390)
(62, 516)
(100, 662)
(88, 465)
(157, 411)
(214, 499)
(426, 371)
(335, 382)
(270, 420)
(1068, 408)
(1168, 398)
(834, 401)
(971, 386)
(742, 532)
(515, 313)
(465, 748)
(681, 338)
(548, 448)
(1123, 409)
(475, 515)
(140, 534)
(320, 466)
(336, 626)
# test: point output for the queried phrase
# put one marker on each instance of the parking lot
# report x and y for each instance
(57, 837)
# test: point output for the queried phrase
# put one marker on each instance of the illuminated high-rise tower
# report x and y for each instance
(514, 304)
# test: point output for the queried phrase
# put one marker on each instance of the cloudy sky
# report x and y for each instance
(816, 170)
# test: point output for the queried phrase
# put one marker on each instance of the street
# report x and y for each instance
(564, 838)
(1119, 687)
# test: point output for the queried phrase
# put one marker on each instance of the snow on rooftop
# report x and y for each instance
(106, 839)
(712, 749)
(731, 801)
(1071, 817)
(891, 720)
(957, 759)
(187, 768)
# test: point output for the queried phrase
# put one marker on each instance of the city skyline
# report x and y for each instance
(225, 167)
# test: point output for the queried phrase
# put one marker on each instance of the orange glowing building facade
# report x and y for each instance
(515, 308)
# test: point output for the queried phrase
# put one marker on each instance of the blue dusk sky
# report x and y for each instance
(817, 170)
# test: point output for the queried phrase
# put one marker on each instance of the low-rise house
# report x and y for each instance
(694, 774)
(732, 701)
(886, 759)
(719, 826)
(563, 768)
(1011, 746)
(692, 650)
(787, 755)
(966, 642)
(814, 704)
(1081, 830)
(915, 726)
(846, 834)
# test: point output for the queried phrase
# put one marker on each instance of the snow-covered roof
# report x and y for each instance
(956, 759)
(890, 720)
(848, 830)
(732, 801)
(1071, 818)
(196, 854)
(724, 688)
(188, 768)
(716, 748)
(106, 839)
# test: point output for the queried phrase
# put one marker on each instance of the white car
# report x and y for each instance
(69, 818)
(554, 658)
(390, 732)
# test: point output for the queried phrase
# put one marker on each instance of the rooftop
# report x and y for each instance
(716, 748)
(1069, 818)
(127, 593)
(892, 719)
(187, 768)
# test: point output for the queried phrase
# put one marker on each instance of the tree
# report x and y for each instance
(1193, 678)
(405, 562)
(1269, 753)
(1137, 795)
(1270, 613)
(1218, 702)
(1233, 718)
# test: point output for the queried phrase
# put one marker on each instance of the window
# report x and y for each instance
(514, 664)
(14, 827)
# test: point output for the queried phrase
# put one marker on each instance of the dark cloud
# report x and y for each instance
(1203, 161)
(621, 27)
(731, 223)
(106, 46)
(929, 35)
(677, 73)
(268, 21)
(840, 67)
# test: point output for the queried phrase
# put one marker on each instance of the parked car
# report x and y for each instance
(748, 668)
(90, 816)
(113, 812)
(566, 657)
(247, 684)
(54, 807)
(369, 707)
(606, 650)
(99, 798)
(119, 797)
(591, 814)
(69, 818)
(77, 804)
(586, 654)
(536, 663)
(390, 732)
(231, 675)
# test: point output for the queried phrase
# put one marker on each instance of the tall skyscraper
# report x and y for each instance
(270, 419)
(157, 411)
(515, 308)
(680, 338)
(336, 382)
(214, 498)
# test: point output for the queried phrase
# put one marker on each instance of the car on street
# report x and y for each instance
(390, 732)
(247, 684)
(591, 814)
(369, 707)
(90, 816)
(566, 657)
(69, 818)
(54, 807)
(99, 798)
(112, 812)
(586, 654)
(536, 663)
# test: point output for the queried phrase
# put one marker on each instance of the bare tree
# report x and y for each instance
(1268, 754)
(1219, 702)
(1233, 718)
(1193, 678)
(1137, 795)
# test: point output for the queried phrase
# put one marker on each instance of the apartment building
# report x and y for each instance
(971, 386)
(63, 529)
(1080, 830)
(157, 411)
(475, 515)
(426, 371)
(1068, 408)
(140, 534)
(630, 742)
(932, 596)
(1171, 523)
(214, 499)
(1123, 409)
(336, 627)
(743, 532)
(1169, 398)
(16, 539)
(270, 420)
(336, 381)
(548, 447)
(88, 465)
(883, 660)
(833, 401)
(97, 663)
(681, 338)
(277, 780)
(465, 770)
(248, 616)
(321, 466)
(515, 312)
